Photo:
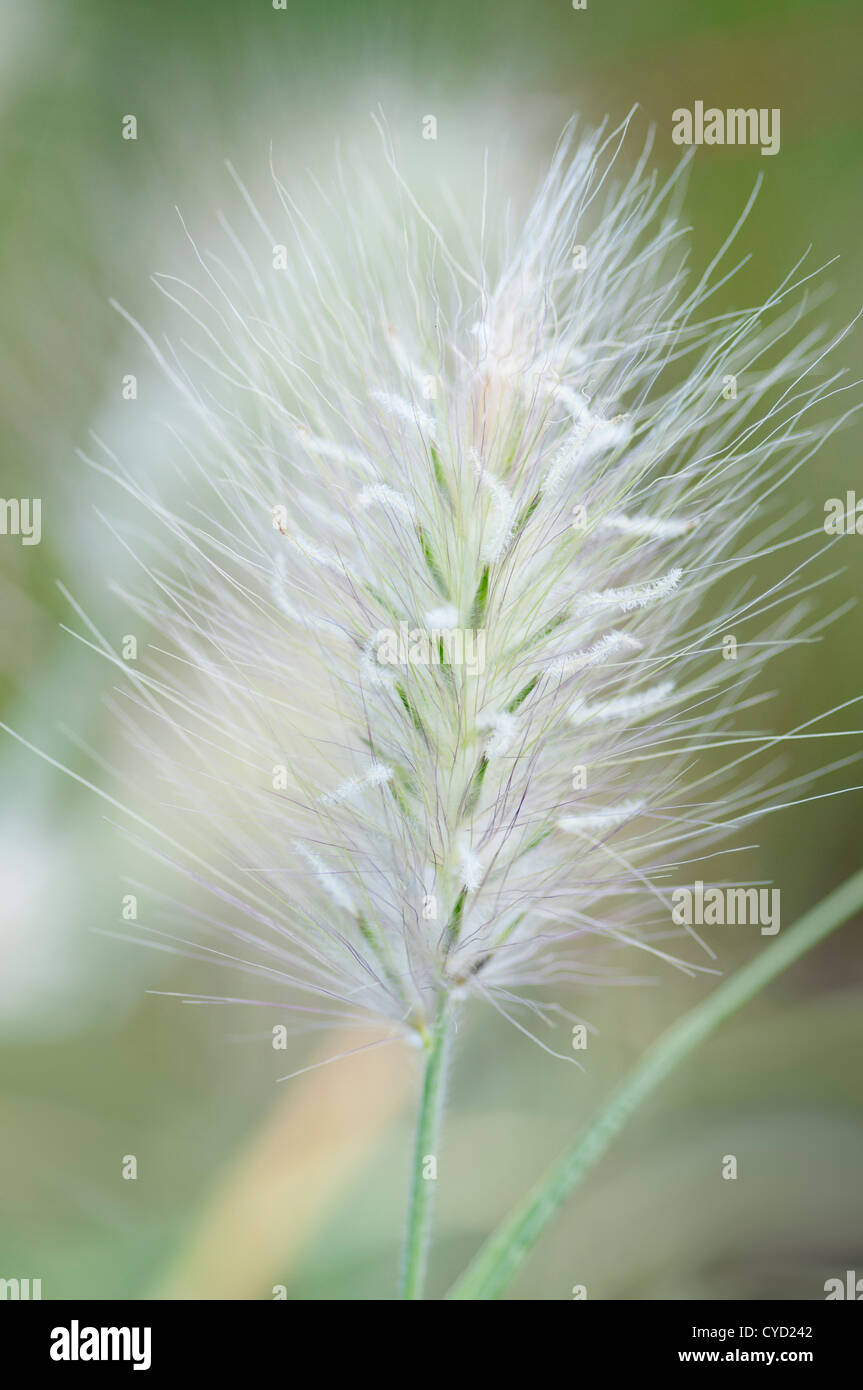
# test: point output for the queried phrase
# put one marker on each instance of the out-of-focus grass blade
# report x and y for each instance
(489, 1273)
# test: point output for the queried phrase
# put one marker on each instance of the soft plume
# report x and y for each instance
(405, 425)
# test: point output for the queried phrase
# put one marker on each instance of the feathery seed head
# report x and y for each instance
(385, 642)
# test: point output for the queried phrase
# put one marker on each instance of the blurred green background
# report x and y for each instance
(93, 1068)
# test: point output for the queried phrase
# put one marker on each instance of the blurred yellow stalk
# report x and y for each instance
(280, 1188)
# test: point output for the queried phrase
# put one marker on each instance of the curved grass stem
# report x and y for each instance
(496, 1263)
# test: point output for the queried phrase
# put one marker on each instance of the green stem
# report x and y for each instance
(495, 1264)
(426, 1145)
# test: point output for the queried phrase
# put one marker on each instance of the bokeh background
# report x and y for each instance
(244, 1183)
